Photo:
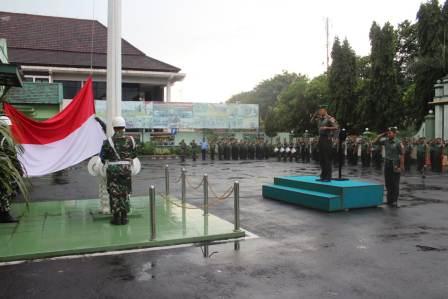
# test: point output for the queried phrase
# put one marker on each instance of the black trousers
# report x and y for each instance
(420, 161)
(325, 152)
(392, 180)
(204, 153)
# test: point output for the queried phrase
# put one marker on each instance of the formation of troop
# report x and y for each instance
(227, 149)
(356, 150)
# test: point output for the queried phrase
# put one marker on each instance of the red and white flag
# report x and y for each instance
(64, 140)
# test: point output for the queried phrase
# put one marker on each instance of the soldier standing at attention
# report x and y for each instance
(407, 154)
(376, 155)
(183, 150)
(366, 149)
(212, 151)
(394, 163)
(117, 153)
(266, 150)
(194, 150)
(220, 150)
(227, 150)
(437, 155)
(243, 151)
(326, 125)
(257, 150)
(234, 148)
(422, 149)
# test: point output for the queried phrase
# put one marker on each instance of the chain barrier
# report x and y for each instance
(216, 198)
(224, 196)
(178, 179)
(179, 205)
(191, 185)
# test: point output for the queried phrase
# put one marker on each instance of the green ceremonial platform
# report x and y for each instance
(57, 228)
(326, 196)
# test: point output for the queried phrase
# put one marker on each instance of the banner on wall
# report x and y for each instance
(186, 115)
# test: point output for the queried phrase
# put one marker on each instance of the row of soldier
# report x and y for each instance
(228, 149)
(356, 149)
(361, 149)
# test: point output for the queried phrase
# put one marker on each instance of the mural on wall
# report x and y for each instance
(186, 115)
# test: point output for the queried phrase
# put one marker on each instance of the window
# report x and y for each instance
(99, 90)
(70, 88)
(130, 91)
(37, 79)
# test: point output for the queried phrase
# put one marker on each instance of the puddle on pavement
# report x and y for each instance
(429, 248)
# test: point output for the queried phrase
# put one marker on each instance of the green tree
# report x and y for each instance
(430, 63)
(383, 104)
(407, 50)
(342, 81)
(10, 175)
(266, 93)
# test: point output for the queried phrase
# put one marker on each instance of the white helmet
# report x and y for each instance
(5, 120)
(118, 122)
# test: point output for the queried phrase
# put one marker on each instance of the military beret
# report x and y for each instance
(393, 129)
(323, 106)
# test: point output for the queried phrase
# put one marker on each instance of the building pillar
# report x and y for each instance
(113, 106)
(429, 126)
(445, 122)
(168, 92)
(438, 113)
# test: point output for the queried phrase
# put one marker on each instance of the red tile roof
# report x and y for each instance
(56, 41)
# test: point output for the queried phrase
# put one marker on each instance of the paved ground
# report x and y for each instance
(301, 253)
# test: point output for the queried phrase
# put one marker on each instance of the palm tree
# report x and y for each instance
(10, 170)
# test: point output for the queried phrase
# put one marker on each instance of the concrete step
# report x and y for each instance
(308, 198)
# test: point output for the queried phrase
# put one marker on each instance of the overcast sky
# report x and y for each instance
(228, 46)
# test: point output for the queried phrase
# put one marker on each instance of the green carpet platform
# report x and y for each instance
(57, 228)
(326, 196)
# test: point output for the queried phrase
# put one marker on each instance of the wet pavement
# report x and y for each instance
(300, 253)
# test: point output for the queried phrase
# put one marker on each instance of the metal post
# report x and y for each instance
(236, 193)
(184, 189)
(167, 181)
(152, 211)
(206, 250)
(205, 195)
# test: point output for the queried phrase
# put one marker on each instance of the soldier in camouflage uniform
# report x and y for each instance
(194, 150)
(326, 125)
(422, 150)
(212, 150)
(183, 150)
(6, 197)
(117, 153)
(220, 150)
(394, 163)
(366, 149)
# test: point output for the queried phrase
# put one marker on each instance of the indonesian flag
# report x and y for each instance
(64, 140)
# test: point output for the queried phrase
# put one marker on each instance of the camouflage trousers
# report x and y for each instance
(119, 187)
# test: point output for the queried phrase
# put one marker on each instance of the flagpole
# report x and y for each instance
(113, 63)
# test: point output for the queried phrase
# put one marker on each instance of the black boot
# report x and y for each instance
(124, 218)
(5, 217)
(115, 219)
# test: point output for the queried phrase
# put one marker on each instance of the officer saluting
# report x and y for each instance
(117, 154)
(326, 125)
(394, 163)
